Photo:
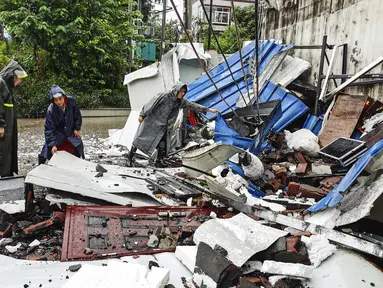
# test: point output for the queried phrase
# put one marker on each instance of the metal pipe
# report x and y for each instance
(312, 46)
(199, 58)
(240, 49)
(321, 64)
(223, 54)
(348, 76)
(344, 62)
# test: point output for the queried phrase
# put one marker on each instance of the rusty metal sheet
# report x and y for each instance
(115, 231)
(343, 119)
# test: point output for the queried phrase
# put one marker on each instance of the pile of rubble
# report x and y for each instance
(266, 194)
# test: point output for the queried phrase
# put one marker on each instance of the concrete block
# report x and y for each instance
(321, 169)
(289, 269)
(187, 255)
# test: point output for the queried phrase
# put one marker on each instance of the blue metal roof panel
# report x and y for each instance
(292, 106)
(203, 91)
(336, 195)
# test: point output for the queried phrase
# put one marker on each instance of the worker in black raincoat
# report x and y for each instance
(10, 77)
(157, 118)
(62, 126)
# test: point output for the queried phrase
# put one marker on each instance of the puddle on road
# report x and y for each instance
(94, 131)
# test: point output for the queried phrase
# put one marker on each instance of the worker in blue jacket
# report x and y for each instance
(62, 126)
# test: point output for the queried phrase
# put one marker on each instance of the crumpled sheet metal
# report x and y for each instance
(336, 195)
(203, 92)
(292, 106)
(241, 236)
(228, 136)
(313, 123)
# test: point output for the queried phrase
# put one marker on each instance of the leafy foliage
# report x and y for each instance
(79, 44)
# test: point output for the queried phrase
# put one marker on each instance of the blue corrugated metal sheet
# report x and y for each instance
(336, 195)
(203, 92)
(292, 106)
(228, 136)
(313, 123)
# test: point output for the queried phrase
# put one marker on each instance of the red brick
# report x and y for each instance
(300, 158)
(293, 189)
(301, 168)
(311, 192)
(254, 282)
(275, 184)
(282, 171)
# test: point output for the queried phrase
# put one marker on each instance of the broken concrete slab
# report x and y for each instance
(345, 269)
(251, 266)
(321, 169)
(333, 235)
(84, 183)
(187, 255)
(359, 201)
(64, 160)
(326, 218)
(289, 269)
(118, 274)
(319, 248)
(12, 207)
(241, 236)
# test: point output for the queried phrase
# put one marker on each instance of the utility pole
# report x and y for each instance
(130, 43)
(162, 48)
(189, 13)
(211, 26)
(186, 15)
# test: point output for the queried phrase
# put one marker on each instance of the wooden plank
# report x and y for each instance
(343, 118)
(354, 78)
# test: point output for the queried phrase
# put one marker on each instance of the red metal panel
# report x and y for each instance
(115, 231)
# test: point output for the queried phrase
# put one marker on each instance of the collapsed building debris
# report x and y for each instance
(282, 191)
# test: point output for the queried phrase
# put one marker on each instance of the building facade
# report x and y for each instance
(221, 11)
(353, 22)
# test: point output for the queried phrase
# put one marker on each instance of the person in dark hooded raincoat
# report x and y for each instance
(62, 126)
(157, 118)
(10, 77)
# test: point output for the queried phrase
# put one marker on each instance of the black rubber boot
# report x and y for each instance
(160, 156)
(131, 154)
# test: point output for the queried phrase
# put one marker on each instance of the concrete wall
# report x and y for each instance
(356, 22)
(105, 112)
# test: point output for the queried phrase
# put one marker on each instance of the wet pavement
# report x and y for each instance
(94, 132)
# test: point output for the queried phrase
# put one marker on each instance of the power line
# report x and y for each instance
(199, 59)
(240, 49)
(224, 57)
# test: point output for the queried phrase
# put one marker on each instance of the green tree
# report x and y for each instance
(85, 40)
